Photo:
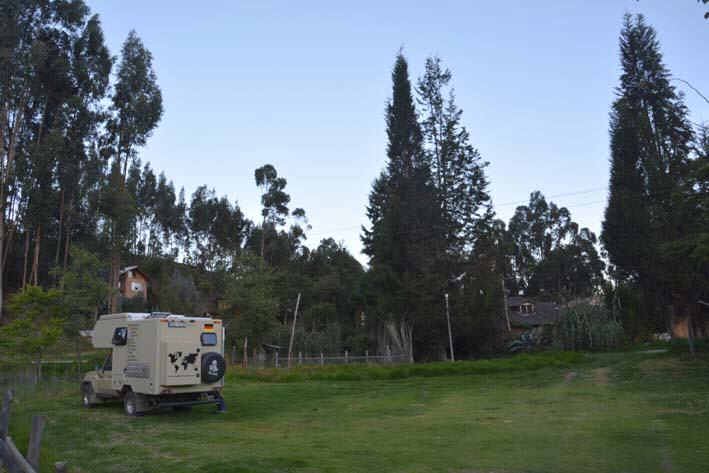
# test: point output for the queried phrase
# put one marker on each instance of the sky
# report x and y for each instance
(303, 86)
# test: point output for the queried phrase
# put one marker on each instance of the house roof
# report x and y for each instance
(545, 313)
(134, 269)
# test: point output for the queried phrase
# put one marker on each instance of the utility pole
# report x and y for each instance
(504, 301)
(450, 335)
(292, 333)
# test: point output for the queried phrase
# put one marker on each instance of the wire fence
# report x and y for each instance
(19, 373)
(53, 371)
(277, 359)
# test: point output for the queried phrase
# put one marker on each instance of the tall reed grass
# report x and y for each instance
(586, 327)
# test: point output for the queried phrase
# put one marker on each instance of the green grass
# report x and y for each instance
(617, 412)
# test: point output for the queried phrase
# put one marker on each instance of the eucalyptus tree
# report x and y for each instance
(550, 256)
(136, 109)
(36, 39)
(217, 229)
(273, 199)
(91, 64)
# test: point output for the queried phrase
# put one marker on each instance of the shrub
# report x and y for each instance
(529, 341)
(587, 327)
(516, 363)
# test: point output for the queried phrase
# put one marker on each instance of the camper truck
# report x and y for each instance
(157, 360)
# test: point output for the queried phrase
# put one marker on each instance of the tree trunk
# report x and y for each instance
(67, 238)
(690, 332)
(27, 250)
(115, 270)
(38, 361)
(59, 233)
(263, 237)
(77, 345)
(6, 176)
(35, 259)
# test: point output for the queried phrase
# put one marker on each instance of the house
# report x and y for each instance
(700, 323)
(132, 282)
(524, 314)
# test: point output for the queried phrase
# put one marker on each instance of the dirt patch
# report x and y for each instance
(667, 465)
(486, 470)
(570, 376)
(661, 367)
(601, 376)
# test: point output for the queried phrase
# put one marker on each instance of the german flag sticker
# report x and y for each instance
(208, 327)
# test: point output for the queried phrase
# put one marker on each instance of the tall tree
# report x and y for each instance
(549, 255)
(136, 110)
(457, 167)
(403, 241)
(36, 40)
(650, 151)
(274, 200)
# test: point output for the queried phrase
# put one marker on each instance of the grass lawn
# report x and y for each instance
(620, 412)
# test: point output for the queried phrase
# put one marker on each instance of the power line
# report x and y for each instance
(334, 231)
(693, 88)
(565, 194)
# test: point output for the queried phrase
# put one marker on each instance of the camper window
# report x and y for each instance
(209, 339)
(120, 336)
(107, 364)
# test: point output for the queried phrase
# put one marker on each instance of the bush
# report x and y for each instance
(587, 327)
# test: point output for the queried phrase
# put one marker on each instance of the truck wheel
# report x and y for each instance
(86, 393)
(130, 404)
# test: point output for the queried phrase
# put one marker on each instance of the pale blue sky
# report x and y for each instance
(302, 85)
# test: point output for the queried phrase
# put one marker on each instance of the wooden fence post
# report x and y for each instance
(346, 357)
(35, 444)
(366, 356)
(276, 358)
(300, 358)
(10, 457)
(322, 359)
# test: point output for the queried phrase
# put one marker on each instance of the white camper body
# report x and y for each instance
(160, 359)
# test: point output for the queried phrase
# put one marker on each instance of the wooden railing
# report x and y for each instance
(10, 457)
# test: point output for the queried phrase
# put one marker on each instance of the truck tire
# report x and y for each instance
(213, 367)
(130, 404)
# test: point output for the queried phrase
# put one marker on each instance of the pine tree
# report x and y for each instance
(402, 242)
(457, 167)
(650, 148)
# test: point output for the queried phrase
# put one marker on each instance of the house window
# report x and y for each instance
(526, 308)
(136, 286)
